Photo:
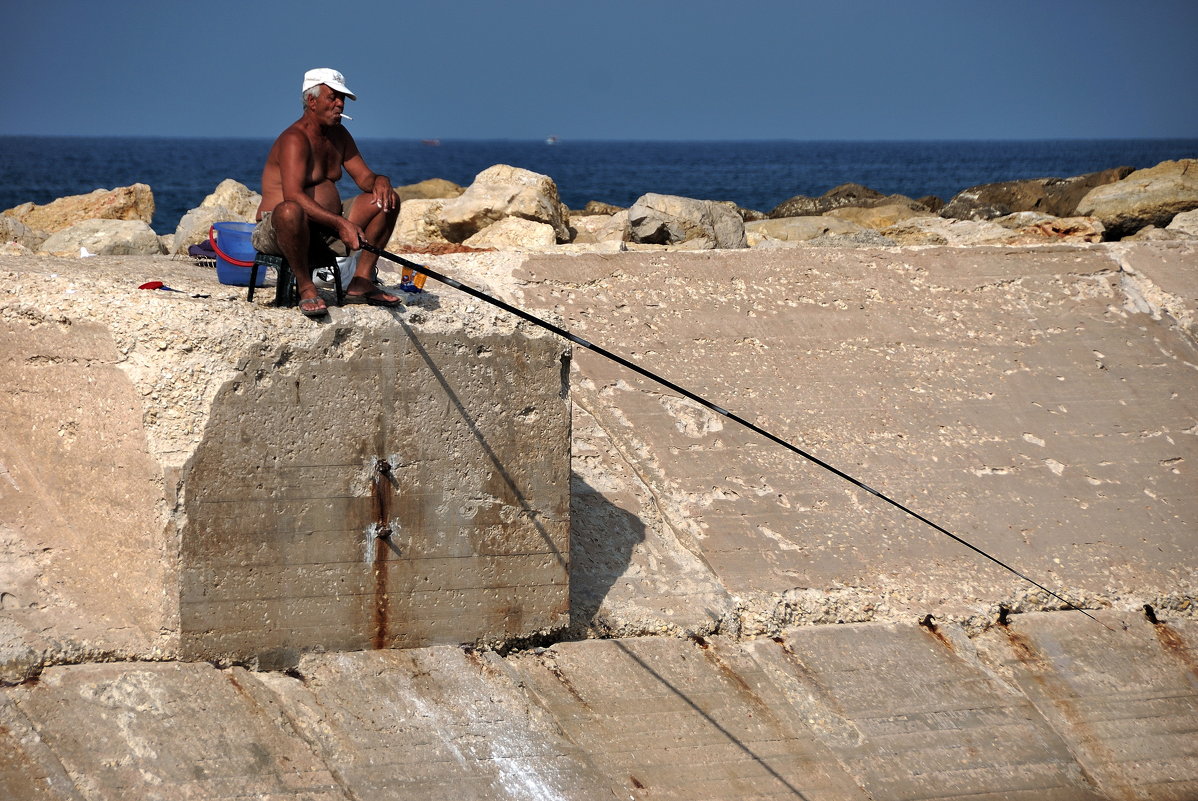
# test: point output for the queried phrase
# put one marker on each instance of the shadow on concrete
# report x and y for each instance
(532, 514)
(602, 538)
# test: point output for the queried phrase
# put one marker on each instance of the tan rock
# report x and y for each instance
(957, 233)
(14, 249)
(596, 228)
(672, 220)
(1146, 197)
(238, 199)
(797, 229)
(419, 224)
(433, 188)
(13, 230)
(194, 226)
(1150, 233)
(1186, 223)
(104, 238)
(514, 233)
(877, 217)
(134, 202)
(505, 191)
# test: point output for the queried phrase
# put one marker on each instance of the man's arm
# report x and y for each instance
(367, 180)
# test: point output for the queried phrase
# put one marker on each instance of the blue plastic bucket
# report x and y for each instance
(235, 253)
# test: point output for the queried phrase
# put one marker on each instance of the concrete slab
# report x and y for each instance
(433, 723)
(172, 731)
(29, 770)
(912, 715)
(1125, 698)
(666, 718)
(1015, 396)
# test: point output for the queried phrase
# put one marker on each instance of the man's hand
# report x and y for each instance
(384, 195)
(351, 235)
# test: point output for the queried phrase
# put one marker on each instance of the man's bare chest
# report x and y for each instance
(325, 164)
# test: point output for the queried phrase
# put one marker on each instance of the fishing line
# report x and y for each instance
(620, 360)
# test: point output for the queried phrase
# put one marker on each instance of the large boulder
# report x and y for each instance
(231, 201)
(759, 233)
(419, 225)
(104, 238)
(241, 201)
(13, 230)
(1145, 197)
(431, 189)
(1055, 196)
(134, 202)
(505, 191)
(193, 227)
(697, 224)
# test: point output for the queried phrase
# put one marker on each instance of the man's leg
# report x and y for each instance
(294, 236)
(378, 226)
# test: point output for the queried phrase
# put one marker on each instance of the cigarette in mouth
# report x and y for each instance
(346, 117)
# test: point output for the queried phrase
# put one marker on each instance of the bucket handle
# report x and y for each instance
(221, 253)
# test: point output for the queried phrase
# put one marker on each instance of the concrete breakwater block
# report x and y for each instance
(205, 478)
(1049, 706)
(1040, 402)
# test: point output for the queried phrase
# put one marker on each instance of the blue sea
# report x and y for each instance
(754, 174)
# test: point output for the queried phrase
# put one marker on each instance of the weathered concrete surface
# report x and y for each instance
(1124, 698)
(1052, 706)
(198, 477)
(1039, 402)
(433, 724)
(1026, 399)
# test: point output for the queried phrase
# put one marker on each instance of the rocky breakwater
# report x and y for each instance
(514, 209)
(190, 476)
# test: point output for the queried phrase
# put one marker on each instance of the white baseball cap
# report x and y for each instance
(330, 78)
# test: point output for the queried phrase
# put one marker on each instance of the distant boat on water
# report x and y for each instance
(431, 142)
(551, 140)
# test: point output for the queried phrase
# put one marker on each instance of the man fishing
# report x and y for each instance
(302, 216)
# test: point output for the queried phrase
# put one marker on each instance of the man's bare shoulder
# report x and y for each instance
(294, 136)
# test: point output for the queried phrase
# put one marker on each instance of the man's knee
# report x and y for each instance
(289, 215)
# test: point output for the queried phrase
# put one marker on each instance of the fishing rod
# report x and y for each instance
(665, 382)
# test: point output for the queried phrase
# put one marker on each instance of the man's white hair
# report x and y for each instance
(311, 92)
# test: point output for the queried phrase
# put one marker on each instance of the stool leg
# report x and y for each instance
(337, 283)
(253, 280)
(284, 285)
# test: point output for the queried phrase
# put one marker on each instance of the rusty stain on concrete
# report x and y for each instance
(380, 488)
(1039, 669)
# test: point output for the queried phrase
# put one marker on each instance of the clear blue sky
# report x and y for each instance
(610, 69)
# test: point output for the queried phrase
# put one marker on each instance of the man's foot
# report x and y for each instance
(313, 307)
(375, 297)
